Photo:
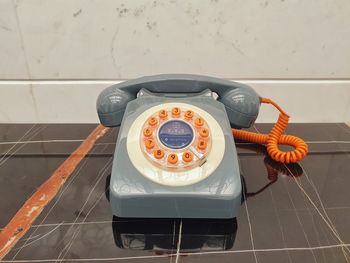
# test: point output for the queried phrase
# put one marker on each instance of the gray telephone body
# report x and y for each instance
(145, 181)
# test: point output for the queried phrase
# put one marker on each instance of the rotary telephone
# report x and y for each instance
(175, 155)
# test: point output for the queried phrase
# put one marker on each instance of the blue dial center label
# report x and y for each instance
(175, 134)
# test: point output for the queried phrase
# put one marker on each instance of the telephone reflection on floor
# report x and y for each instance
(161, 235)
(175, 155)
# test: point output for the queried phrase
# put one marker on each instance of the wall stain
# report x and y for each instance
(5, 28)
(112, 47)
(77, 13)
(138, 11)
(32, 95)
(264, 4)
(122, 10)
(193, 13)
(147, 51)
(151, 26)
(237, 48)
(57, 25)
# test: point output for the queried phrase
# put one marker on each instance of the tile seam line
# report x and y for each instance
(226, 78)
(81, 140)
(190, 254)
(114, 81)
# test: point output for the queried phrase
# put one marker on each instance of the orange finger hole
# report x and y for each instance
(189, 114)
(147, 132)
(204, 132)
(199, 122)
(187, 157)
(149, 144)
(163, 114)
(201, 144)
(176, 112)
(152, 121)
(158, 154)
(172, 158)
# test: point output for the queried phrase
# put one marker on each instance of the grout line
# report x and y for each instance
(15, 143)
(37, 239)
(110, 153)
(179, 243)
(280, 225)
(185, 254)
(116, 81)
(42, 141)
(250, 225)
(112, 221)
(62, 191)
(6, 156)
(328, 223)
(173, 241)
(297, 215)
(66, 249)
(81, 140)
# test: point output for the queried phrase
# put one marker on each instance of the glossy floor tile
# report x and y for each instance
(289, 213)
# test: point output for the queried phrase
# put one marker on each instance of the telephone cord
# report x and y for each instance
(276, 137)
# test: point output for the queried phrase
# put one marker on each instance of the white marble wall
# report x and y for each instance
(304, 43)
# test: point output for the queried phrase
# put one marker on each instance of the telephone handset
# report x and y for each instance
(241, 101)
(175, 154)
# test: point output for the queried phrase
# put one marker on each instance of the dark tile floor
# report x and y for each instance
(294, 213)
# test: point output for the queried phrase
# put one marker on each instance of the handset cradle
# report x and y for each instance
(241, 101)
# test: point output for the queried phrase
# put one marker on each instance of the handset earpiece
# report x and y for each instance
(242, 106)
(111, 104)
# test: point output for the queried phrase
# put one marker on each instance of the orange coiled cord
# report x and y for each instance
(276, 137)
